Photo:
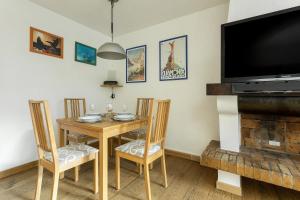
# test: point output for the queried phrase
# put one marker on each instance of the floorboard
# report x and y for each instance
(187, 181)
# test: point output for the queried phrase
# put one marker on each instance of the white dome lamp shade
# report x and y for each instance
(111, 50)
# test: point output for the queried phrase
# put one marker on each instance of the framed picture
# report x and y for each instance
(136, 64)
(173, 58)
(85, 54)
(46, 43)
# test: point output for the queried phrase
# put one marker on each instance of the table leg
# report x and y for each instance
(61, 133)
(103, 169)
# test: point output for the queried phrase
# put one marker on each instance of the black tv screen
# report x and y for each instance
(266, 46)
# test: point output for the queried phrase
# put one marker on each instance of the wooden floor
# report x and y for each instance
(187, 181)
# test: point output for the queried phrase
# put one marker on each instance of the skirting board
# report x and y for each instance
(183, 155)
(18, 169)
(229, 188)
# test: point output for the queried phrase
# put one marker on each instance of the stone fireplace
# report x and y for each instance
(259, 139)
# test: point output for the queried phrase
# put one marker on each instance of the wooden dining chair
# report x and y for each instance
(56, 160)
(74, 108)
(152, 148)
(142, 110)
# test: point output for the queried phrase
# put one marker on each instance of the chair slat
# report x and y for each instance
(66, 108)
(84, 107)
(159, 122)
(143, 105)
(138, 107)
(73, 107)
(39, 121)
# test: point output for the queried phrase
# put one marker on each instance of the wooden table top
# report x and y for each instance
(106, 125)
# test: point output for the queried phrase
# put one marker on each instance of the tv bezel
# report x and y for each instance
(253, 78)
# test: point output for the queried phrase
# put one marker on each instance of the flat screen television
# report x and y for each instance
(262, 48)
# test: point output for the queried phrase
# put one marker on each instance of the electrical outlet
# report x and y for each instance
(274, 143)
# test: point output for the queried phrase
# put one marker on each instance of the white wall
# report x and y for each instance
(240, 9)
(25, 75)
(193, 119)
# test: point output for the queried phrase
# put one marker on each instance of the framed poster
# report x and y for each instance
(173, 58)
(136, 64)
(85, 54)
(42, 42)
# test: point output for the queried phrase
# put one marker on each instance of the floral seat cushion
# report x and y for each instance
(71, 153)
(137, 148)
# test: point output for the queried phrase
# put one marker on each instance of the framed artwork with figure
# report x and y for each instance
(173, 58)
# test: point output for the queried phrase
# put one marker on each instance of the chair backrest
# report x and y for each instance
(43, 128)
(157, 124)
(143, 106)
(75, 107)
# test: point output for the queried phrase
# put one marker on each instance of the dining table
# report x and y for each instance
(103, 130)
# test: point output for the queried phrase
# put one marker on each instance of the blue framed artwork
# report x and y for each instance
(173, 58)
(85, 54)
(136, 64)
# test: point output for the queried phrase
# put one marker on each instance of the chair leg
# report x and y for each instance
(140, 168)
(76, 173)
(117, 171)
(164, 170)
(151, 166)
(55, 185)
(62, 175)
(96, 182)
(120, 140)
(147, 181)
(39, 183)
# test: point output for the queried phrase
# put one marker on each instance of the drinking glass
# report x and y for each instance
(124, 108)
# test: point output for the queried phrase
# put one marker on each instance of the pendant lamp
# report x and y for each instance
(111, 50)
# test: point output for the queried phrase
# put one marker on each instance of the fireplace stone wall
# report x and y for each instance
(270, 123)
(271, 132)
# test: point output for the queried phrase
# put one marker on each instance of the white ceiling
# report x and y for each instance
(130, 15)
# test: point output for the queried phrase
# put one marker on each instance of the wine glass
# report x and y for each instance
(124, 108)
(109, 108)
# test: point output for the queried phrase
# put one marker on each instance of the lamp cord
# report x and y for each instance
(112, 21)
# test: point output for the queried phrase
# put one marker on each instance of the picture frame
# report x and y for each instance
(85, 54)
(173, 58)
(136, 64)
(45, 43)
